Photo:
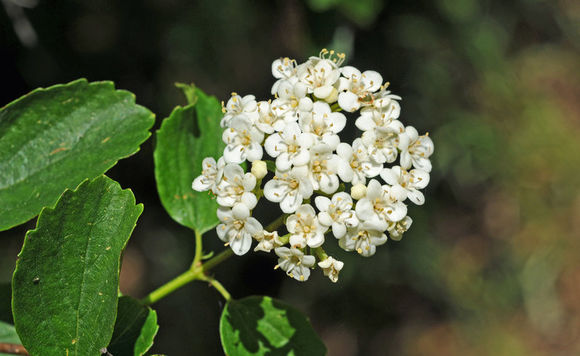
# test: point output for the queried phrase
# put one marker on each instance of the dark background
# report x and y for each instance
(491, 264)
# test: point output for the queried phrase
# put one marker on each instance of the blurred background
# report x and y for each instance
(491, 264)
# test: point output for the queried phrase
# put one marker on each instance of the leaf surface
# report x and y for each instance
(265, 326)
(54, 138)
(64, 288)
(185, 138)
(135, 328)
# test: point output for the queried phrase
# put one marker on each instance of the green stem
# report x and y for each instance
(219, 258)
(198, 249)
(274, 225)
(320, 253)
(170, 287)
(218, 286)
(198, 269)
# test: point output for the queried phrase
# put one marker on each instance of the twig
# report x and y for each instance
(12, 349)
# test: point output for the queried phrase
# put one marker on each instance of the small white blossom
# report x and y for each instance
(304, 228)
(363, 239)
(236, 187)
(237, 228)
(396, 229)
(320, 74)
(378, 118)
(379, 206)
(283, 69)
(267, 240)
(359, 88)
(336, 213)
(289, 189)
(323, 124)
(211, 174)
(355, 163)
(415, 150)
(382, 143)
(322, 168)
(331, 268)
(296, 264)
(291, 100)
(289, 147)
(406, 184)
(268, 120)
(237, 107)
(243, 141)
(384, 99)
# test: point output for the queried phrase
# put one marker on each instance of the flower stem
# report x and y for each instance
(197, 271)
(217, 259)
(274, 225)
(218, 286)
(170, 287)
(198, 249)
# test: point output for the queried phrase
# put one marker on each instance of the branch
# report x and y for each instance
(12, 349)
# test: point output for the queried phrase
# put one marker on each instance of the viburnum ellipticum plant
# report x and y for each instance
(57, 143)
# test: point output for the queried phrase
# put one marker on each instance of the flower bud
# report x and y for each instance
(358, 191)
(259, 169)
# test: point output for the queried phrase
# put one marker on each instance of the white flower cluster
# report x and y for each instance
(300, 130)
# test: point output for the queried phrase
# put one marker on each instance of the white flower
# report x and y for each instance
(396, 229)
(320, 74)
(268, 120)
(294, 262)
(337, 213)
(384, 100)
(304, 228)
(236, 187)
(243, 141)
(291, 99)
(237, 228)
(359, 88)
(355, 163)
(323, 124)
(415, 149)
(331, 268)
(372, 118)
(363, 239)
(406, 184)
(283, 69)
(289, 189)
(211, 174)
(238, 107)
(323, 167)
(289, 147)
(382, 143)
(379, 206)
(267, 240)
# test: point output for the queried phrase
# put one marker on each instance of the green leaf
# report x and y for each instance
(135, 328)
(265, 326)
(185, 138)
(8, 334)
(64, 289)
(52, 139)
